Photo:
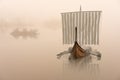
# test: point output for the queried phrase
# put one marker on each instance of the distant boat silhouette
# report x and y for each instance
(24, 33)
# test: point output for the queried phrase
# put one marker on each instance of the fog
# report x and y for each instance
(31, 37)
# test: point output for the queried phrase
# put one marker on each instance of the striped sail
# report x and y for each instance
(87, 23)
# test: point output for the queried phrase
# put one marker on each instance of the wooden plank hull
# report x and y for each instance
(77, 51)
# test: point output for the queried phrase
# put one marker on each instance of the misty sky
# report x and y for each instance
(46, 13)
(48, 9)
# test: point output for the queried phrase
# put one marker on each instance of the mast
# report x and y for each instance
(80, 8)
(75, 34)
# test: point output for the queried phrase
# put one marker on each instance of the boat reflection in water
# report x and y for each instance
(24, 33)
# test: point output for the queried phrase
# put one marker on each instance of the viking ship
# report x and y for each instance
(80, 28)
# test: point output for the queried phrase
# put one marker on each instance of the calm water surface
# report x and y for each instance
(30, 54)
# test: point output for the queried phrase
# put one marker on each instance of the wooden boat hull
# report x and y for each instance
(77, 51)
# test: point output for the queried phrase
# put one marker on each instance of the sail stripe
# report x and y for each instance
(89, 28)
(73, 27)
(98, 28)
(92, 28)
(79, 29)
(85, 16)
(87, 25)
(83, 28)
(95, 28)
(70, 29)
(66, 27)
(63, 28)
(90, 19)
(86, 28)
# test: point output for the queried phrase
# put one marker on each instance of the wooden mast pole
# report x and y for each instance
(80, 8)
(76, 29)
(75, 34)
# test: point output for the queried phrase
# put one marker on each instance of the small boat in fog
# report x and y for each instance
(24, 33)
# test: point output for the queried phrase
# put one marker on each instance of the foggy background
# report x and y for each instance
(28, 59)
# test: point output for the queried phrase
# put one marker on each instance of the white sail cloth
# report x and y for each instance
(87, 23)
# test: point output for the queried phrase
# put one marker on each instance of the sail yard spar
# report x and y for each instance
(87, 24)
